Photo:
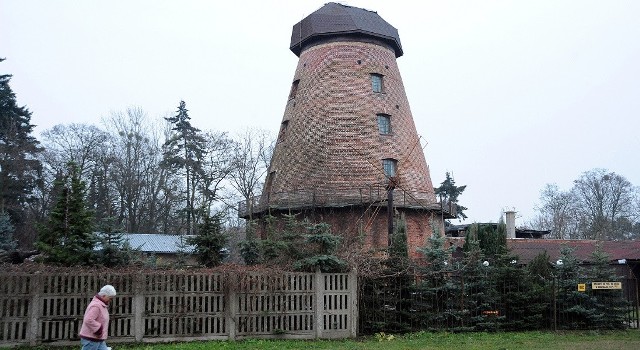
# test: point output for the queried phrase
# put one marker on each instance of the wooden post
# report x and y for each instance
(555, 304)
(319, 311)
(390, 214)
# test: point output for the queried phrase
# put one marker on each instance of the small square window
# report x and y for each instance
(376, 82)
(269, 182)
(283, 130)
(384, 123)
(389, 166)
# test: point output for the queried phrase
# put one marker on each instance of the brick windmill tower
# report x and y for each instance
(348, 152)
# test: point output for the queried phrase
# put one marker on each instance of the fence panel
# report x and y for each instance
(336, 318)
(172, 306)
(282, 305)
(177, 305)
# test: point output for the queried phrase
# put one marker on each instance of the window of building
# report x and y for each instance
(384, 123)
(376, 82)
(294, 89)
(269, 182)
(283, 130)
(390, 166)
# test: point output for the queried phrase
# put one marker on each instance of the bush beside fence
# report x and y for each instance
(397, 303)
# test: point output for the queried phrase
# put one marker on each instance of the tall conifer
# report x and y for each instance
(67, 238)
(20, 169)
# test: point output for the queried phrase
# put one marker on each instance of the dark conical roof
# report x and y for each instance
(333, 20)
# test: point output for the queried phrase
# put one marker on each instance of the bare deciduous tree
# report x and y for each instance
(557, 213)
(601, 205)
(604, 198)
(77, 143)
(251, 157)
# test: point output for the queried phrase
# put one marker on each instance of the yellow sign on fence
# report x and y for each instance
(606, 285)
(582, 287)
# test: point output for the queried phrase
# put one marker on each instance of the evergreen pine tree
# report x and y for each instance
(609, 305)
(20, 168)
(399, 248)
(477, 295)
(116, 250)
(7, 243)
(182, 252)
(448, 191)
(521, 304)
(185, 150)
(540, 273)
(574, 308)
(208, 244)
(435, 291)
(388, 296)
(323, 246)
(67, 238)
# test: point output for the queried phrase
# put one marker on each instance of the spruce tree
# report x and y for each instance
(609, 306)
(20, 168)
(477, 295)
(208, 244)
(399, 248)
(323, 246)
(540, 273)
(573, 307)
(435, 291)
(116, 250)
(521, 304)
(67, 238)
(448, 191)
(250, 251)
(185, 150)
(387, 298)
(7, 243)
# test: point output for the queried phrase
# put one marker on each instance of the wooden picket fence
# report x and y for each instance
(167, 306)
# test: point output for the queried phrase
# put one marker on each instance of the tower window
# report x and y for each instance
(294, 89)
(376, 82)
(384, 123)
(269, 182)
(389, 166)
(283, 130)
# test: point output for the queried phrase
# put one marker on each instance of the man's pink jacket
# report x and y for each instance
(95, 324)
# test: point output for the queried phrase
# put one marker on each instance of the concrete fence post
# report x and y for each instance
(34, 310)
(231, 305)
(353, 307)
(139, 287)
(319, 311)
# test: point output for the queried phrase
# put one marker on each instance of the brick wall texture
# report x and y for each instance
(330, 145)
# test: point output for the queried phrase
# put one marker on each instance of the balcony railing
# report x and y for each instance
(343, 197)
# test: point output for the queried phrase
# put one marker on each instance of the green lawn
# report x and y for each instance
(614, 340)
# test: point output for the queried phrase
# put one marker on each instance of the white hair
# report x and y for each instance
(107, 291)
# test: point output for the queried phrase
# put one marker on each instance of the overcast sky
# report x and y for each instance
(510, 95)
